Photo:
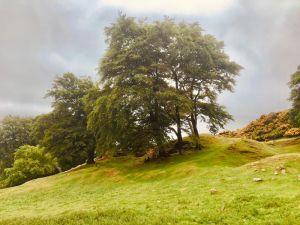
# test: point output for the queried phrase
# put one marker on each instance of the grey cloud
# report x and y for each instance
(42, 39)
(264, 36)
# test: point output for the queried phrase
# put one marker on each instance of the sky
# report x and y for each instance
(42, 39)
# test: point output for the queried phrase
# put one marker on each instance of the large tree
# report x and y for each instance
(295, 97)
(204, 72)
(63, 131)
(198, 69)
(14, 132)
(164, 76)
(134, 86)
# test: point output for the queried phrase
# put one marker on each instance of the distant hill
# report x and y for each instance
(268, 127)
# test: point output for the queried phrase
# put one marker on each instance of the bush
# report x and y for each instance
(30, 162)
(294, 132)
(267, 127)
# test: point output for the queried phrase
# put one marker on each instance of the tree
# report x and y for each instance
(134, 86)
(166, 76)
(295, 97)
(121, 120)
(14, 132)
(63, 132)
(200, 70)
(30, 162)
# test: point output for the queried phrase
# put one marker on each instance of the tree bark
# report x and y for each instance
(194, 125)
(195, 131)
(178, 133)
(178, 120)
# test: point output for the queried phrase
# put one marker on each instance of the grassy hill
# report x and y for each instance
(127, 191)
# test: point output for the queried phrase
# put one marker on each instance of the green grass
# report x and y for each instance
(286, 145)
(175, 191)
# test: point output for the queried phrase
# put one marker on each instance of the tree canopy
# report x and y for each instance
(30, 162)
(295, 97)
(14, 132)
(158, 78)
(63, 131)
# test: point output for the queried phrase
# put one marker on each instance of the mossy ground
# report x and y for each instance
(174, 191)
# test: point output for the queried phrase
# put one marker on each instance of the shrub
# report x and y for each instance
(228, 133)
(267, 127)
(30, 162)
(294, 132)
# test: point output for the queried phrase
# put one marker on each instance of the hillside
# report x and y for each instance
(268, 127)
(175, 191)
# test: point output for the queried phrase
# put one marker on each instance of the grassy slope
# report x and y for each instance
(125, 191)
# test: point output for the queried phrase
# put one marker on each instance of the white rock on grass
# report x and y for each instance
(280, 169)
(213, 191)
(257, 179)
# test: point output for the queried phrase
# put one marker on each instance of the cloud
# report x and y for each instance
(198, 7)
(41, 40)
(47, 38)
(264, 37)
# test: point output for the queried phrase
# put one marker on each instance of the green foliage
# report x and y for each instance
(63, 131)
(200, 70)
(30, 162)
(295, 98)
(14, 132)
(159, 77)
(121, 123)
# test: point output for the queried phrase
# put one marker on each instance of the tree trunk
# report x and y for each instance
(195, 131)
(178, 120)
(194, 125)
(91, 157)
(179, 133)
